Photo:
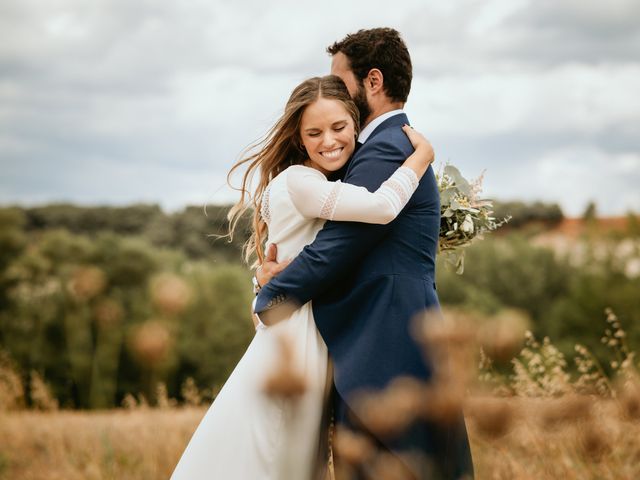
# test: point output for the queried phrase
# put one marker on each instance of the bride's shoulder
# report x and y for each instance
(295, 176)
(299, 171)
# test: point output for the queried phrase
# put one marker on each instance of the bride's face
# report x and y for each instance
(328, 134)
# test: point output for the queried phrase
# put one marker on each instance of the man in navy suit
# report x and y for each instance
(368, 282)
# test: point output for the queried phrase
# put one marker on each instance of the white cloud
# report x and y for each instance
(572, 176)
(568, 98)
(135, 95)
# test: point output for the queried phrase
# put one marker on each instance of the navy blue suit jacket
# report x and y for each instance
(368, 281)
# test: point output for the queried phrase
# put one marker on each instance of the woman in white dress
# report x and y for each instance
(247, 434)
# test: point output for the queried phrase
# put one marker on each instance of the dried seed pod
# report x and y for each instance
(501, 337)
(594, 442)
(151, 343)
(388, 412)
(285, 381)
(86, 283)
(443, 403)
(493, 417)
(351, 447)
(170, 293)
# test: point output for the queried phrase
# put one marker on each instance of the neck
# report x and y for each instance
(381, 110)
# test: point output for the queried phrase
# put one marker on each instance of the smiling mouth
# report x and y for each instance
(332, 154)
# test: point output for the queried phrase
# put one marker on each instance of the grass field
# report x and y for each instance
(538, 422)
(116, 444)
(564, 438)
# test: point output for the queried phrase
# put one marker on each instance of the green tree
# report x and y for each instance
(217, 327)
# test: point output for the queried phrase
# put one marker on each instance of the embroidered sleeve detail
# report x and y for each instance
(265, 211)
(329, 206)
(314, 196)
(399, 188)
(411, 177)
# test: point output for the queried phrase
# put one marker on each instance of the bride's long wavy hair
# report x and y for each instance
(280, 148)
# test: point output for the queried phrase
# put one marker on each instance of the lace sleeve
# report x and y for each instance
(331, 202)
(315, 197)
(265, 211)
(399, 188)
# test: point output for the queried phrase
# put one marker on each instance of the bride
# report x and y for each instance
(246, 433)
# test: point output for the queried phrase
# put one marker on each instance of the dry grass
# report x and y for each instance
(145, 444)
(540, 422)
(600, 445)
(140, 444)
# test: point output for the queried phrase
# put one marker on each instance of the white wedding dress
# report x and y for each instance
(245, 434)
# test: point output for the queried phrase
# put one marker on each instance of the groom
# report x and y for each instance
(367, 282)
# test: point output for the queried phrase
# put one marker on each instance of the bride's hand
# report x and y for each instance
(270, 267)
(422, 147)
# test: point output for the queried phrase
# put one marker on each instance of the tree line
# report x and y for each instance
(106, 301)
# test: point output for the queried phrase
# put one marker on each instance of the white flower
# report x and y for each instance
(467, 225)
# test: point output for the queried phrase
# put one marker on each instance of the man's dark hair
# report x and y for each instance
(380, 48)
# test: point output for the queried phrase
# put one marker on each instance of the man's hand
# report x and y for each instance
(270, 267)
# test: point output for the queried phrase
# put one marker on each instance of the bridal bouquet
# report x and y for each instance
(464, 216)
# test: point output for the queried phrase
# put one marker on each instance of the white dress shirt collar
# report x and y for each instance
(368, 130)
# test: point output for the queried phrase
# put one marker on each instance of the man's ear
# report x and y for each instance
(374, 82)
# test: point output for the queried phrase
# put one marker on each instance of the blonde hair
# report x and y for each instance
(280, 148)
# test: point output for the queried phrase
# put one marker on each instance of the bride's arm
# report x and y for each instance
(315, 197)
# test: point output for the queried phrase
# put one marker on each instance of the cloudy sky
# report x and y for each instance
(120, 101)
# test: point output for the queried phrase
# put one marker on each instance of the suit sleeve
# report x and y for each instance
(339, 245)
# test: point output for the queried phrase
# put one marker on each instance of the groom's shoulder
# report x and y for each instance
(389, 140)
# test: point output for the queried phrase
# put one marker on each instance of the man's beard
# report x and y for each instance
(361, 103)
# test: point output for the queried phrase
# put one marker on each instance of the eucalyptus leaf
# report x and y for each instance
(458, 179)
(447, 195)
